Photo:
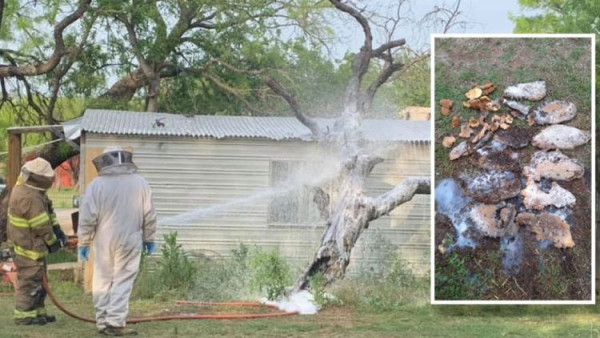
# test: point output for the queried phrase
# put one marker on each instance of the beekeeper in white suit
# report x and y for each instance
(118, 216)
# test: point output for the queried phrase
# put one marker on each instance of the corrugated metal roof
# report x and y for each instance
(275, 128)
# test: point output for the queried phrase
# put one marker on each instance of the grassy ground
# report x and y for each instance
(564, 64)
(394, 304)
(342, 321)
(461, 63)
(62, 198)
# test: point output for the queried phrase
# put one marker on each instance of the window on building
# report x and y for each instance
(294, 206)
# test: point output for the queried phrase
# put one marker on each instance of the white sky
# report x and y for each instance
(481, 16)
(489, 16)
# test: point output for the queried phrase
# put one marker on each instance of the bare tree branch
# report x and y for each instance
(202, 24)
(31, 100)
(308, 121)
(387, 46)
(364, 23)
(5, 97)
(59, 48)
(450, 16)
(402, 193)
(388, 70)
(362, 165)
(60, 73)
(133, 40)
(361, 60)
(148, 67)
(28, 90)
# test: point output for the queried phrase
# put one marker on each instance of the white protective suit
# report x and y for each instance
(117, 214)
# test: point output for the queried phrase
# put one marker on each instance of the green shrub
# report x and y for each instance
(317, 288)
(176, 271)
(223, 279)
(389, 287)
(173, 274)
(245, 274)
(398, 274)
(270, 273)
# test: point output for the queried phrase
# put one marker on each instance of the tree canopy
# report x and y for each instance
(561, 16)
(112, 53)
(194, 56)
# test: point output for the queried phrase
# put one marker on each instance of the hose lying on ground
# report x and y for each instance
(181, 316)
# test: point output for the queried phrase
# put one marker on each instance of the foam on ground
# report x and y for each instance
(302, 302)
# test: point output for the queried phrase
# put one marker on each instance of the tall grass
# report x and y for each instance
(250, 273)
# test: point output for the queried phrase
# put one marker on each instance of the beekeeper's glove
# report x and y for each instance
(84, 253)
(149, 247)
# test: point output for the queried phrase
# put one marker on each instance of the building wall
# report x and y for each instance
(191, 173)
(415, 113)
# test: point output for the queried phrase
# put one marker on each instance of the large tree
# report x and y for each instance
(354, 210)
(109, 53)
(561, 16)
(59, 55)
(234, 48)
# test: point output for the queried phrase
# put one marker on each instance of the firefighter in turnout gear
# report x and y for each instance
(118, 222)
(33, 232)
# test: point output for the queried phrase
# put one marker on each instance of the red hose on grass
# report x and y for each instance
(183, 316)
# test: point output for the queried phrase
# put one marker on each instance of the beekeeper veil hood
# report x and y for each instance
(114, 157)
(37, 173)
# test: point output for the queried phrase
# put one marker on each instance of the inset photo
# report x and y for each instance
(513, 169)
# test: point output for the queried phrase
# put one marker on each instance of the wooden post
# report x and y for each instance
(13, 166)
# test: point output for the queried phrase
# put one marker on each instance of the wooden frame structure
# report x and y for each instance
(13, 165)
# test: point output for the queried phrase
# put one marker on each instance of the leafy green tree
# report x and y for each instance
(559, 16)
(207, 40)
(312, 76)
(562, 16)
(133, 54)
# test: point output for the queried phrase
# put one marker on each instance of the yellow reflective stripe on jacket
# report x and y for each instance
(24, 314)
(52, 240)
(18, 221)
(40, 219)
(34, 255)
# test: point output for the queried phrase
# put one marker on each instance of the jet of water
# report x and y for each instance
(316, 177)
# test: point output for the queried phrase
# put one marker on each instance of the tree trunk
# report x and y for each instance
(351, 216)
(124, 89)
(152, 94)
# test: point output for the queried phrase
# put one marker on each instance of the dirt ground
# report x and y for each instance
(546, 273)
